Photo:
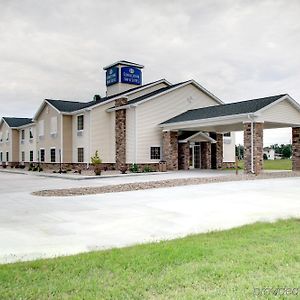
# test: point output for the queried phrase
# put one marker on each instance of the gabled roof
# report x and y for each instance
(236, 108)
(65, 106)
(159, 92)
(17, 122)
(151, 94)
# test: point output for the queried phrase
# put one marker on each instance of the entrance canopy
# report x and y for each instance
(191, 136)
(275, 112)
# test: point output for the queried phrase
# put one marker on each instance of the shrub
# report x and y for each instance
(147, 169)
(96, 162)
(134, 168)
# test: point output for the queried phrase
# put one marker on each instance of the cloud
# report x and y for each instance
(236, 49)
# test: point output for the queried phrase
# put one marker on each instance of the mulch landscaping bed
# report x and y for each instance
(158, 184)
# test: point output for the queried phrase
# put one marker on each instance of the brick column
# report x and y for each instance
(120, 133)
(183, 156)
(170, 149)
(219, 150)
(258, 130)
(296, 148)
(205, 155)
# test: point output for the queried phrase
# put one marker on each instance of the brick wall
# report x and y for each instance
(257, 147)
(183, 156)
(205, 155)
(296, 148)
(170, 149)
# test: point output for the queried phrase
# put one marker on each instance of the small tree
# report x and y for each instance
(96, 162)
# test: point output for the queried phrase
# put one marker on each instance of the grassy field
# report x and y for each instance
(277, 164)
(217, 265)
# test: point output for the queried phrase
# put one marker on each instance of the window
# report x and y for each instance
(7, 156)
(80, 122)
(31, 133)
(22, 134)
(80, 155)
(1, 156)
(7, 135)
(52, 155)
(53, 127)
(155, 152)
(1, 137)
(23, 156)
(41, 128)
(31, 155)
(42, 154)
(227, 134)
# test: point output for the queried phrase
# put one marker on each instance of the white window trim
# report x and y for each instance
(40, 157)
(160, 152)
(80, 130)
(53, 131)
(39, 124)
(53, 148)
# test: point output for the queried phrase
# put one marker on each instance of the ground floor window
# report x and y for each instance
(52, 155)
(42, 154)
(155, 153)
(1, 156)
(31, 155)
(7, 156)
(23, 156)
(80, 154)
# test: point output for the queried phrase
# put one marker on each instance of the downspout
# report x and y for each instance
(62, 138)
(252, 143)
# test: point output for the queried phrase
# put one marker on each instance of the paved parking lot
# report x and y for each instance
(33, 227)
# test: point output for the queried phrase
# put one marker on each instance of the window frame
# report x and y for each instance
(22, 156)
(155, 152)
(78, 117)
(51, 157)
(31, 156)
(80, 160)
(40, 154)
(22, 134)
(31, 133)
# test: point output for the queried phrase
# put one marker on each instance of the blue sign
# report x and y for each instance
(131, 75)
(112, 76)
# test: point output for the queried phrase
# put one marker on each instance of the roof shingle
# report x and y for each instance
(17, 122)
(242, 107)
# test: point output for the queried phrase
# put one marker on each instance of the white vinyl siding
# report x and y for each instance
(53, 126)
(103, 133)
(41, 128)
(151, 113)
(282, 112)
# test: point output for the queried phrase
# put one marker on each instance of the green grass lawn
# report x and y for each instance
(217, 265)
(277, 164)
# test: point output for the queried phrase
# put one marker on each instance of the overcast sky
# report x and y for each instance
(238, 50)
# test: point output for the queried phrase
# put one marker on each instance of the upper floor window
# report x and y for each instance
(31, 133)
(80, 122)
(53, 127)
(7, 135)
(41, 128)
(227, 134)
(22, 134)
(1, 137)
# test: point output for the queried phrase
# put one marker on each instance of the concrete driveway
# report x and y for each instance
(33, 227)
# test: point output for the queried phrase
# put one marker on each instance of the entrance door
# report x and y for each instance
(195, 156)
